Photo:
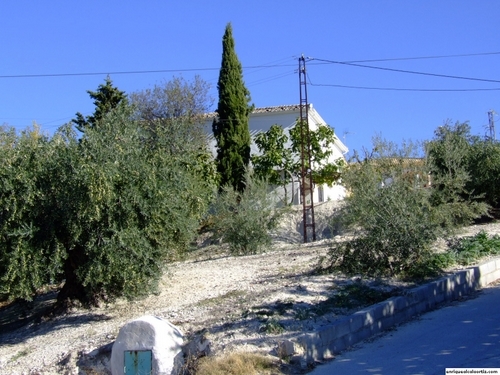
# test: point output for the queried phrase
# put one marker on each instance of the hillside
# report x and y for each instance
(239, 303)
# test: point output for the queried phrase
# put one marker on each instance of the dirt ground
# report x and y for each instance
(238, 303)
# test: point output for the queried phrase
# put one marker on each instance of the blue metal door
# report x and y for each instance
(138, 362)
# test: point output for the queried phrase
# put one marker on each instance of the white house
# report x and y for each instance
(261, 119)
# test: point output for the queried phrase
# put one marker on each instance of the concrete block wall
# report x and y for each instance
(372, 320)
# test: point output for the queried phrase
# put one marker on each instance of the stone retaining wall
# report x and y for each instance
(377, 318)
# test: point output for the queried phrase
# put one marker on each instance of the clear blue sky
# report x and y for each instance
(55, 36)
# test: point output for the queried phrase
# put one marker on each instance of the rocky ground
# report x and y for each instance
(238, 303)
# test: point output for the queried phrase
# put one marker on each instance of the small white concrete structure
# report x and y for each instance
(158, 338)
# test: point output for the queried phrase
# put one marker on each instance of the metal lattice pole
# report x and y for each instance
(306, 188)
(491, 120)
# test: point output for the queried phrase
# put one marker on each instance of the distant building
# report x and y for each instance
(261, 119)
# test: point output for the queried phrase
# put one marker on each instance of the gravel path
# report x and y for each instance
(240, 303)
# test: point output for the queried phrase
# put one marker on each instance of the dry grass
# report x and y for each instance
(238, 364)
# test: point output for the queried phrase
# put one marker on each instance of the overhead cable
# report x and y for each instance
(397, 88)
(271, 65)
(408, 71)
(425, 57)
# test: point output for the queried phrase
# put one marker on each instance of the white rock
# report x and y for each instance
(288, 348)
(149, 333)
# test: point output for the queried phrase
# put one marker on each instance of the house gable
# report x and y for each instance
(262, 118)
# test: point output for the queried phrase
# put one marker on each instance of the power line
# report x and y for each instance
(132, 72)
(272, 78)
(104, 73)
(424, 57)
(396, 88)
(408, 71)
(270, 65)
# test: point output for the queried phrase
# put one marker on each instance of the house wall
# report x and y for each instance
(286, 116)
(322, 193)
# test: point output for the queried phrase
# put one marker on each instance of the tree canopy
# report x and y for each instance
(279, 157)
(106, 98)
(172, 113)
(101, 214)
(230, 129)
(473, 161)
(394, 216)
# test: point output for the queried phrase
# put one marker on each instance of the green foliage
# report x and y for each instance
(275, 156)
(106, 98)
(230, 129)
(170, 117)
(324, 170)
(396, 225)
(468, 250)
(484, 167)
(143, 209)
(464, 251)
(465, 169)
(103, 213)
(244, 220)
(278, 161)
(447, 160)
(431, 265)
(29, 256)
(394, 214)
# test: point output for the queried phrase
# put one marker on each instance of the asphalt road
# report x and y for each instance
(464, 334)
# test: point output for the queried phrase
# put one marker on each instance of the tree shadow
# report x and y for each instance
(307, 309)
(20, 313)
(21, 320)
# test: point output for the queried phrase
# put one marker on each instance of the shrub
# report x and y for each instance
(237, 364)
(244, 220)
(470, 249)
(396, 230)
(103, 213)
(464, 251)
(430, 266)
(467, 165)
(394, 214)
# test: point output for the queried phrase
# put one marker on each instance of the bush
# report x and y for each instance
(391, 210)
(430, 266)
(464, 251)
(465, 165)
(468, 250)
(394, 225)
(103, 213)
(244, 220)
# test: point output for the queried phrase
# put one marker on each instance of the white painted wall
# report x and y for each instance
(286, 116)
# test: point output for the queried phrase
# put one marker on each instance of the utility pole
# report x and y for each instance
(306, 187)
(491, 120)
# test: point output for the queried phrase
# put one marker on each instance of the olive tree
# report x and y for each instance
(102, 213)
(30, 256)
(473, 162)
(171, 115)
(393, 212)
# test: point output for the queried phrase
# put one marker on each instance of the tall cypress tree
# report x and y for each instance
(231, 127)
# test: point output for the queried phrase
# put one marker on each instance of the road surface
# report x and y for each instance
(464, 334)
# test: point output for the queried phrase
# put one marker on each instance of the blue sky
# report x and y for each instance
(56, 37)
